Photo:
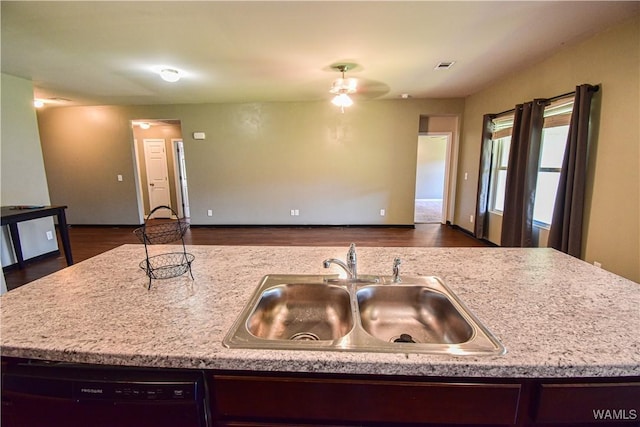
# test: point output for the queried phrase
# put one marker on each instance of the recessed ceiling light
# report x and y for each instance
(38, 103)
(405, 96)
(170, 75)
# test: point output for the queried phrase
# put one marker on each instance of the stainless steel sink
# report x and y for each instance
(313, 312)
(411, 314)
(299, 311)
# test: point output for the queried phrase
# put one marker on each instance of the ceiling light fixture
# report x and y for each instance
(342, 88)
(141, 125)
(170, 75)
(54, 100)
(342, 100)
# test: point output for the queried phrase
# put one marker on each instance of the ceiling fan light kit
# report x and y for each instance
(342, 87)
(342, 100)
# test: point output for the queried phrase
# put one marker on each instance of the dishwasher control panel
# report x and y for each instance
(90, 390)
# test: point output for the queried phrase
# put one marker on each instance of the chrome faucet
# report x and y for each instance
(351, 266)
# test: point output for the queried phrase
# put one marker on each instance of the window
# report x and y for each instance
(501, 154)
(554, 139)
(501, 141)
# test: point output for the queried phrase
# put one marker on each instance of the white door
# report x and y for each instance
(155, 158)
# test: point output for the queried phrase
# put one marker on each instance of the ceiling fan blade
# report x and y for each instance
(371, 89)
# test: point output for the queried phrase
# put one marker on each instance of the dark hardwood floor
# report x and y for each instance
(89, 241)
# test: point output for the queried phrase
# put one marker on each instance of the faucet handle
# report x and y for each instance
(396, 270)
(352, 252)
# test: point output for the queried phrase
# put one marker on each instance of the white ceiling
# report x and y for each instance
(104, 52)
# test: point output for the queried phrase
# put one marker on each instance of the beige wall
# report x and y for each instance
(258, 161)
(23, 179)
(85, 149)
(612, 212)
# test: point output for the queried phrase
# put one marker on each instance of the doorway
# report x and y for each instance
(161, 168)
(181, 178)
(432, 176)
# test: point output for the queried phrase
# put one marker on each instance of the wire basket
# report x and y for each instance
(162, 233)
(168, 265)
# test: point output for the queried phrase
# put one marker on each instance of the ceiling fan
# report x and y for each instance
(343, 87)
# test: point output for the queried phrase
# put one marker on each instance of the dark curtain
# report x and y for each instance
(566, 224)
(522, 174)
(482, 203)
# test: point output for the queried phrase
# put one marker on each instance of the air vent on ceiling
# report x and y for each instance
(445, 65)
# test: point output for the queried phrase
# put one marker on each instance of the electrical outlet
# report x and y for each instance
(597, 264)
(49, 235)
(296, 212)
(471, 219)
(120, 178)
(293, 212)
(210, 212)
(466, 177)
(383, 212)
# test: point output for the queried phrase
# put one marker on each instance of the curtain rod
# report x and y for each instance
(505, 112)
(594, 88)
(564, 95)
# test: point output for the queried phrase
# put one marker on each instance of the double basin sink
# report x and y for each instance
(372, 313)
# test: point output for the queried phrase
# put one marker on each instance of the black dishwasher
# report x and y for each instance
(73, 395)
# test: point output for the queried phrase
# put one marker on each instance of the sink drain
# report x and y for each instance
(304, 336)
(403, 338)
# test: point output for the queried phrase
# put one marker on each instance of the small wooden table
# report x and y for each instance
(12, 215)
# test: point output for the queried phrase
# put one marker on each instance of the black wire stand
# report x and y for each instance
(166, 265)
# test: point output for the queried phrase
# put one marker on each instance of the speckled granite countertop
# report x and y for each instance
(556, 315)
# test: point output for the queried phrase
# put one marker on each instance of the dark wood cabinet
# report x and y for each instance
(362, 400)
(242, 399)
(588, 403)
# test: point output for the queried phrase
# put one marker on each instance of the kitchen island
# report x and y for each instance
(559, 318)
